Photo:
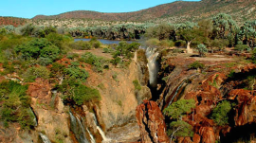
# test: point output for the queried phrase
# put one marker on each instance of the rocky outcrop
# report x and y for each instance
(151, 123)
(40, 90)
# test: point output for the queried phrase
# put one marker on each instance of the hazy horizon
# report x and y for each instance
(31, 8)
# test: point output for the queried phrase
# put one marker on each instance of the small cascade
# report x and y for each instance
(44, 138)
(176, 92)
(78, 129)
(91, 136)
(105, 139)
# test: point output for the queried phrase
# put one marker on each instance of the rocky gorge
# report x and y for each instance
(127, 114)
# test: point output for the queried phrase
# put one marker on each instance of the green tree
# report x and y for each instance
(223, 25)
(176, 110)
(189, 32)
(51, 52)
(220, 113)
(202, 50)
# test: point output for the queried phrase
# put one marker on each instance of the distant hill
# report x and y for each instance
(177, 11)
(12, 21)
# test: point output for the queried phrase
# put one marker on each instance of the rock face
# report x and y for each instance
(151, 123)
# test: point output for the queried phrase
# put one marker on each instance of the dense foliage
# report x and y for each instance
(16, 104)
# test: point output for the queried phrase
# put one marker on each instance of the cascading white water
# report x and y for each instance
(153, 65)
(44, 138)
(176, 92)
(105, 139)
(78, 129)
(91, 136)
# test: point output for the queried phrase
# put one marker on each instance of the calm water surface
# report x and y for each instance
(103, 41)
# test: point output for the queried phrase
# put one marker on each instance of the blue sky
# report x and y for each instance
(31, 8)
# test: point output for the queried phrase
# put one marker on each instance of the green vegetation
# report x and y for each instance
(73, 71)
(76, 91)
(137, 85)
(97, 62)
(123, 53)
(36, 72)
(196, 65)
(220, 113)
(176, 110)
(202, 50)
(81, 45)
(83, 94)
(16, 105)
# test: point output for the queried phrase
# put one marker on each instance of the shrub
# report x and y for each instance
(253, 55)
(220, 113)
(116, 60)
(81, 45)
(57, 70)
(51, 52)
(166, 43)
(96, 44)
(32, 48)
(106, 50)
(241, 47)
(202, 50)
(44, 61)
(85, 94)
(72, 56)
(96, 62)
(152, 42)
(196, 65)
(177, 50)
(137, 85)
(76, 73)
(16, 105)
(36, 72)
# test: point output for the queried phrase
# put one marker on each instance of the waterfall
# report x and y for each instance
(176, 92)
(153, 65)
(78, 129)
(105, 139)
(91, 136)
(44, 138)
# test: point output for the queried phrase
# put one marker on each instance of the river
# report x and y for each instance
(104, 41)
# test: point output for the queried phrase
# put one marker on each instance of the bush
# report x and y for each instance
(44, 61)
(36, 72)
(152, 42)
(220, 113)
(137, 85)
(72, 56)
(241, 48)
(253, 55)
(96, 44)
(51, 52)
(202, 50)
(106, 50)
(32, 48)
(196, 65)
(116, 60)
(76, 73)
(16, 105)
(81, 45)
(85, 94)
(96, 62)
